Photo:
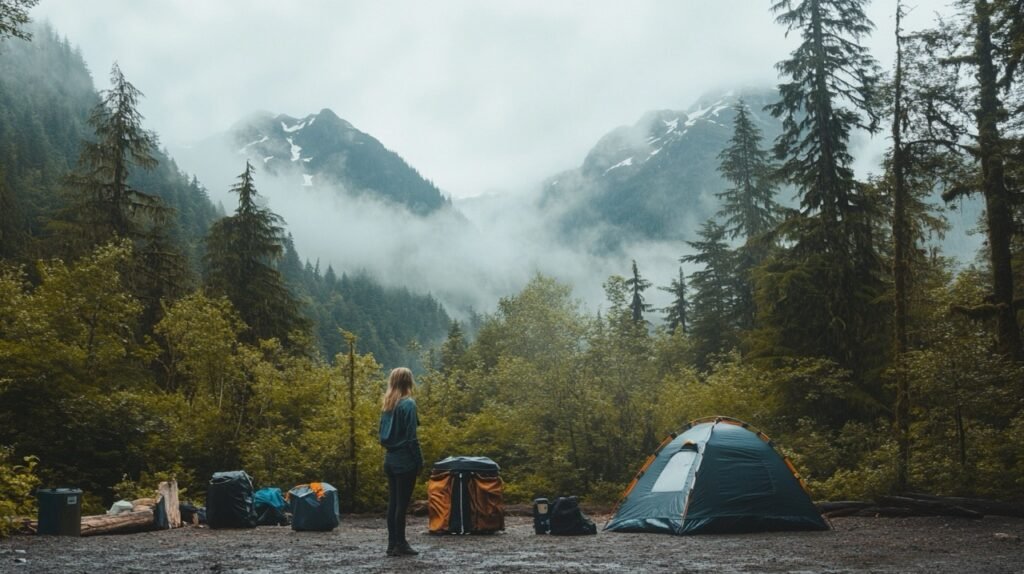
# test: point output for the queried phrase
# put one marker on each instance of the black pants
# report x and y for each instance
(399, 493)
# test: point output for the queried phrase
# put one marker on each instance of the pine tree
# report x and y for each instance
(102, 204)
(14, 15)
(749, 207)
(834, 258)
(714, 295)
(453, 348)
(637, 285)
(828, 67)
(161, 274)
(675, 314)
(914, 169)
(901, 238)
(241, 252)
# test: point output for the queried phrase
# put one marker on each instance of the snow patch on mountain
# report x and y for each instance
(296, 150)
(711, 110)
(624, 163)
(252, 143)
(294, 128)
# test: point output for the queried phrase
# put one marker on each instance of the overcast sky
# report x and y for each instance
(479, 96)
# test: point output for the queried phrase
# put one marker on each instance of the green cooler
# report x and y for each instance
(60, 511)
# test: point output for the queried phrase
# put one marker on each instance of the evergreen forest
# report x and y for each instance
(146, 332)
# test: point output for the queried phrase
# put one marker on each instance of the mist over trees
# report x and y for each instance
(169, 338)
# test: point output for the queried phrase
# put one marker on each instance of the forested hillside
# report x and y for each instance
(47, 93)
(871, 359)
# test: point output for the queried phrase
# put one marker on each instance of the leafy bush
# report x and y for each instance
(17, 484)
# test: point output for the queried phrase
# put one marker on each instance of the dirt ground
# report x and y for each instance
(931, 544)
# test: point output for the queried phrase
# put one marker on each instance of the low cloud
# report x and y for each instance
(468, 257)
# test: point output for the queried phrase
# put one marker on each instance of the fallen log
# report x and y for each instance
(841, 512)
(887, 511)
(936, 508)
(119, 523)
(837, 505)
(983, 505)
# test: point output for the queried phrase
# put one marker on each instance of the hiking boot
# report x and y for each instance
(404, 549)
(393, 550)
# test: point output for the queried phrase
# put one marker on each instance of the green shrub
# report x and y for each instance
(17, 483)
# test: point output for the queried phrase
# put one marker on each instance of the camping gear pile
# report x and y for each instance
(718, 476)
(465, 495)
(231, 503)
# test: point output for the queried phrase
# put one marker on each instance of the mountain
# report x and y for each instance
(323, 150)
(656, 179)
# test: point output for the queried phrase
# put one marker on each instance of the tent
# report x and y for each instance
(465, 495)
(718, 476)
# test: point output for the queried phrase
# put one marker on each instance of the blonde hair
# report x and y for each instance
(400, 385)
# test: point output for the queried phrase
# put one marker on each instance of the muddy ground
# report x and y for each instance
(856, 545)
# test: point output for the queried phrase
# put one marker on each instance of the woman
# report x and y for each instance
(398, 422)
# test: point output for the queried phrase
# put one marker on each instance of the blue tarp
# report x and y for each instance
(270, 507)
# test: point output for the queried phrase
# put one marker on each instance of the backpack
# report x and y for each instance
(567, 519)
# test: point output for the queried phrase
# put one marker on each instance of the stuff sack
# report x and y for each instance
(567, 519)
(314, 506)
(229, 501)
(270, 507)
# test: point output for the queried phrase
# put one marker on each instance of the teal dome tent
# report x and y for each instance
(717, 476)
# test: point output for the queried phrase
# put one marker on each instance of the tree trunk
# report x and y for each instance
(900, 235)
(169, 498)
(353, 469)
(998, 205)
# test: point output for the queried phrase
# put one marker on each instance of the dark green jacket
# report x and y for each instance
(398, 436)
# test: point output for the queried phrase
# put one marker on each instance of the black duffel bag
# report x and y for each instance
(229, 501)
(567, 519)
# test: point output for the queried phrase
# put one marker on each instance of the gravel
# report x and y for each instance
(920, 544)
